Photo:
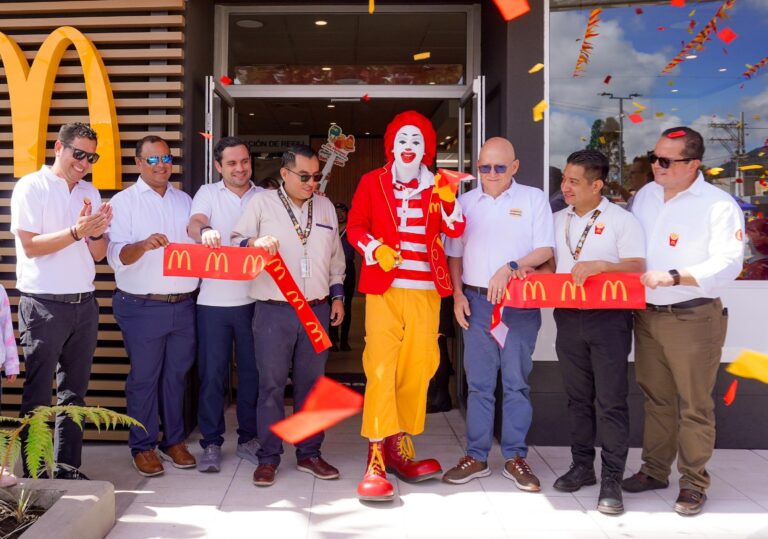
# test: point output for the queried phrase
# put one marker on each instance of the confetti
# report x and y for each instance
(730, 395)
(677, 3)
(607, 79)
(512, 9)
(422, 56)
(226, 81)
(639, 10)
(761, 154)
(536, 68)
(638, 106)
(601, 140)
(206, 135)
(727, 35)
(659, 114)
(586, 45)
(660, 28)
(750, 364)
(635, 118)
(676, 134)
(692, 13)
(751, 167)
(538, 110)
(670, 83)
(714, 171)
(757, 117)
(366, 98)
(371, 6)
(691, 26)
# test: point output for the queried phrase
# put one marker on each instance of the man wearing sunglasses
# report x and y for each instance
(59, 223)
(508, 234)
(156, 313)
(694, 245)
(305, 229)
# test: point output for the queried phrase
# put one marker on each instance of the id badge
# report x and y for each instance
(306, 268)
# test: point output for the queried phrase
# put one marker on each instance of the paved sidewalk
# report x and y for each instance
(188, 504)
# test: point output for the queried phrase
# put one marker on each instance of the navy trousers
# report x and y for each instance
(160, 340)
(217, 329)
(284, 346)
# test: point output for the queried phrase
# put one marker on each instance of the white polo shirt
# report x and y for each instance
(42, 203)
(222, 207)
(139, 212)
(700, 230)
(615, 234)
(499, 230)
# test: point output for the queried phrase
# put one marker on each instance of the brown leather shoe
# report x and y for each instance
(147, 463)
(179, 456)
(317, 467)
(264, 476)
(640, 482)
(689, 502)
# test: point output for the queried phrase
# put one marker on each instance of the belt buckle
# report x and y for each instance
(173, 298)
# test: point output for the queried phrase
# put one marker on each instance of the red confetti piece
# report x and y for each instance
(636, 118)
(676, 134)
(677, 3)
(660, 28)
(512, 9)
(206, 135)
(727, 35)
(366, 98)
(226, 81)
(639, 10)
(607, 79)
(730, 395)
(691, 26)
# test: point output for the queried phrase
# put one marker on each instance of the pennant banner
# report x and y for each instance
(586, 45)
(244, 264)
(602, 291)
(752, 69)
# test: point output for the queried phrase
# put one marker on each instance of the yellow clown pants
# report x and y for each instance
(401, 356)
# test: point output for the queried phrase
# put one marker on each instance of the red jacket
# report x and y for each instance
(373, 215)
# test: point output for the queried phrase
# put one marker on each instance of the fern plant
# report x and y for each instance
(38, 446)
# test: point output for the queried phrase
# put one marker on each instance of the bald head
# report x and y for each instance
(497, 165)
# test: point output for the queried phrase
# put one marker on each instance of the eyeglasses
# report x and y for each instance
(79, 155)
(666, 162)
(498, 169)
(152, 160)
(318, 176)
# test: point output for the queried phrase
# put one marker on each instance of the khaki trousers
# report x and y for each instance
(677, 356)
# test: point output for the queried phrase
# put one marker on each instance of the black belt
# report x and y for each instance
(690, 304)
(165, 298)
(478, 289)
(81, 297)
(311, 302)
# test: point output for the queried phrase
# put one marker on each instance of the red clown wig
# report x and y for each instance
(411, 117)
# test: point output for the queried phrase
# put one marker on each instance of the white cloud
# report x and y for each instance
(565, 133)
(759, 4)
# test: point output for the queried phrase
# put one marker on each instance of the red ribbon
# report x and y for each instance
(244, 264)
(601, 291)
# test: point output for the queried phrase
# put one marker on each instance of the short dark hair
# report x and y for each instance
(269, 182)
(69, 132)
(595, 163)
(694, 142)
(149, 139)
(289, 156)
(224, 143)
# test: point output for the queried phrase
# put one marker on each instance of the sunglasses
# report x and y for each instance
(318, 176)
(79, 155)
(152, 160)
(498, 169)
(666, 162)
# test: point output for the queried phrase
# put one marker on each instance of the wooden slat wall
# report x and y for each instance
(142, 44)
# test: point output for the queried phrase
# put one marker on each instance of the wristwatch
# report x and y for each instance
(512, 265)
(675, 277)
(334, 298)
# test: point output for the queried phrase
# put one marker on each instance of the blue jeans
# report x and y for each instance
(483, 358)
(217, 328)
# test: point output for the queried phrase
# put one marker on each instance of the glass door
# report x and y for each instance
(220, 119)
(471, 128)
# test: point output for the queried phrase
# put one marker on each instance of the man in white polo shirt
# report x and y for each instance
(59, 235)
(509, 232)
(694, 235)
(156, 313)
(224, 310)
(594, 236)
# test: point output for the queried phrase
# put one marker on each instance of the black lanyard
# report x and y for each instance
(302, 233)
(575, 254)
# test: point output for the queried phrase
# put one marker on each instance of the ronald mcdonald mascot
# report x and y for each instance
(398, 213)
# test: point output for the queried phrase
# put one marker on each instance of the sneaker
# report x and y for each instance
(317, 467)
(466, 470)
(518, 471)
(211, 459)
(249, 451)
(610, 501)
(640, 482)
(65, 471)
(689, 502)
(575, 478)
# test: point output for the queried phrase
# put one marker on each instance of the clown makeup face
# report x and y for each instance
(408, 151)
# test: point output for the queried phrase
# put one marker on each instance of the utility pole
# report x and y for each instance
(621, 129)
(735, 145)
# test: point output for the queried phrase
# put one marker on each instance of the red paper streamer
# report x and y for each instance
(244, 264)
(205, 135)
(366, 98)
(639, 10)
(676, 134)
(512, 9)
(677, 3)
(755, 68)
(586, 45)
(727, 35)
(326, 404)
(730, 395)
(635, 118)
(226, 81)
(607, 79)
(660, 28)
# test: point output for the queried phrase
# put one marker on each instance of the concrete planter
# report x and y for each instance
(75, 509)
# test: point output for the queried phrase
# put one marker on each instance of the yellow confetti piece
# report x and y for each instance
(757, 117)
(601, 140)
(670, 83)
(761, 154)
(537, 67)
(371, 6)
(422, 56)
(538, 110)
(750, 364)
(659, 114)
(638, 106)
(751, 167)
(692, 13)
(715, 171)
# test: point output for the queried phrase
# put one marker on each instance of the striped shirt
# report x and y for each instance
(415, 271)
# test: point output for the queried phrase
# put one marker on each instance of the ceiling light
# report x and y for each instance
(249, 23)
(331, 106)
(321, 23)
(367, 132)
(722, 70)
(448, 137)
(432, 82)
(691, 57)
(326, 68)
(251, 114)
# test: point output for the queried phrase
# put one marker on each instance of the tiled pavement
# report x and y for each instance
(188, 504)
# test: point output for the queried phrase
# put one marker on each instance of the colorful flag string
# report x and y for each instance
(586, 45)
(752, 69)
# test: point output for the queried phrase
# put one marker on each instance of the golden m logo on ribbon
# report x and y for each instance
(31, 89)
(255, 262)
(295, 298)
(614, 286)
(534, 288)
(217, 258)
(180, 257)
(279, 270)
(569, 286)
(314, 331)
